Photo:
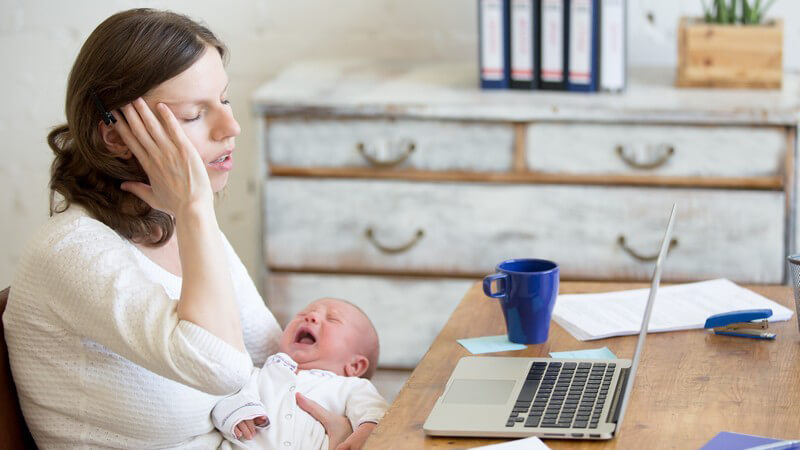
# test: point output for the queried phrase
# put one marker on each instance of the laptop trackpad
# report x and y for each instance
(479, 392)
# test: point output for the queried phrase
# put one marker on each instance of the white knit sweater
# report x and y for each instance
(98, 354)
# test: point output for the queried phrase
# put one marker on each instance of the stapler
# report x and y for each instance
(751, 323)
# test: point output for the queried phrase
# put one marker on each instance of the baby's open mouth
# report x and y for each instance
(304, 336)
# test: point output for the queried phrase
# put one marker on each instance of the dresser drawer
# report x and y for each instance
(594, 232)
(399, 144)
(662, 150)
(407, 312)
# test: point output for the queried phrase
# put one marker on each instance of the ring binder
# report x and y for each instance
(524, 43)
(583, 37)
(554, 20)
(493, 21)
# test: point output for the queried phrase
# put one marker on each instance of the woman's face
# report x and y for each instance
(198, 97)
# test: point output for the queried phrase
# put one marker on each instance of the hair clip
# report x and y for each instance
(107, 117)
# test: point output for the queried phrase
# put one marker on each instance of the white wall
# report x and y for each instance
(39, 40)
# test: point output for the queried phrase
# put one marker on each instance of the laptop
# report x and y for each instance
(551, 398)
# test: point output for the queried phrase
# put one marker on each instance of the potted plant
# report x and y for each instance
(731, 46)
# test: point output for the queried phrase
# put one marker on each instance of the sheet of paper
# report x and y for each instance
(677, 307)
(530, 443)
(489, 344)
(592, 353)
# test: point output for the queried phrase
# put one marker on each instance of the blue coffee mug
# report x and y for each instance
(527, 289)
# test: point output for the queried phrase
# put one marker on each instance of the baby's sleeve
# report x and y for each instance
(364, 403)
(243, 405)
(95, 288)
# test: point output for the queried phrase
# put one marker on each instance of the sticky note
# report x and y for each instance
(489, 344)
(592, 353)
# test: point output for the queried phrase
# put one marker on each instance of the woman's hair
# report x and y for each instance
(126, 56)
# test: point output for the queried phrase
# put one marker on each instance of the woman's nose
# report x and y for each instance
(226, 126)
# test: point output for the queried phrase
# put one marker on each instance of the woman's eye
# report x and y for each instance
(192, 119)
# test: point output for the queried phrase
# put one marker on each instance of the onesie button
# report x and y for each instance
(291, 389)
(288, 416)
(286, 443)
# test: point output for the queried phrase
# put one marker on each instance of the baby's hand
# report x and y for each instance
(246, 429)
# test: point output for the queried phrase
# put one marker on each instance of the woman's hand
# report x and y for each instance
(178, 177)
(356, 440)
(337, 427)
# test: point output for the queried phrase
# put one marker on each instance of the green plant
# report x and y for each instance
(733, 11)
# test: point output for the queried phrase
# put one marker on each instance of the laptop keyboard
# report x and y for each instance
(563, 395)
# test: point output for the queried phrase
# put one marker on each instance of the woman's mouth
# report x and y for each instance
(224, 162)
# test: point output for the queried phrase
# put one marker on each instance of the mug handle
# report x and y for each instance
(487, 285)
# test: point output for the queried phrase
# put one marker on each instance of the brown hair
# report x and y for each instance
(126, 56)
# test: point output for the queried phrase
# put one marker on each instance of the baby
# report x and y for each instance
(323, 352)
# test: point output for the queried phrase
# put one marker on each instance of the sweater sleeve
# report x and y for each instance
(260, 328)
(364, 403)
(100, 293)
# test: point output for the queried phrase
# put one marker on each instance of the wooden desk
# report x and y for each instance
(724, 383)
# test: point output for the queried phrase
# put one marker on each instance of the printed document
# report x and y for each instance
(678, 307)
(531, 443)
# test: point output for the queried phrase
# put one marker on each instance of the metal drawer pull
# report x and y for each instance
(621, 241)
(667, 152)
(370, 234)
(409, 149)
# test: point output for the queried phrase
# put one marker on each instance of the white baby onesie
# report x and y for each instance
(271, 392)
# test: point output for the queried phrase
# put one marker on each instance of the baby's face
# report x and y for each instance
(325, 335)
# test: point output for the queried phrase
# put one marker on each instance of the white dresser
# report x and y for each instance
(398, 187)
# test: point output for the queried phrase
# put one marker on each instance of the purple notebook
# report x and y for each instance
(735, 441)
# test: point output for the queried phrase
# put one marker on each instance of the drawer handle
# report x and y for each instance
(668, 151)
(370, 234)
(621, 241)
(409, 149)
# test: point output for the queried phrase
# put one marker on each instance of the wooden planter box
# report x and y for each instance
(739, 56)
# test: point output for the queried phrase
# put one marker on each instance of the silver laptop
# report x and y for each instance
(551, 398)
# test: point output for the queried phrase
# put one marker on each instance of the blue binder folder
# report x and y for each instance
(726, 440)
(493, 46)
(524, 42)
(613, 54)
(553, 38)
(584, 37)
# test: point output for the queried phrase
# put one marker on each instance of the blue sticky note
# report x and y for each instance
(489, 344)
(592, 353)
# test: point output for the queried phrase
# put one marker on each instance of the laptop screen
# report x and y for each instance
(647, 313)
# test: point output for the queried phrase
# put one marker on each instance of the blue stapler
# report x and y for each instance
(751, 323)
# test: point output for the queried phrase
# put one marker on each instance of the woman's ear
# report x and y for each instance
(357, 366)
(113, 141)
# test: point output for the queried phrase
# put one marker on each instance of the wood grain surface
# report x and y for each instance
(690, 386)
(716, 55)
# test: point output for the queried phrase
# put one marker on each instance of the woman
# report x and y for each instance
(130, 313)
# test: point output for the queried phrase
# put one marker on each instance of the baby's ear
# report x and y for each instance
(357, 366)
